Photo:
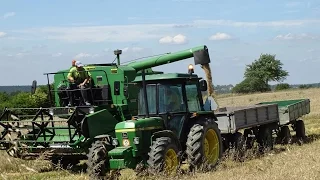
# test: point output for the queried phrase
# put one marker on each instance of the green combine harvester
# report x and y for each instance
(68, 134)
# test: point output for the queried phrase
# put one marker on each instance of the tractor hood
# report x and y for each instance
(140, 124)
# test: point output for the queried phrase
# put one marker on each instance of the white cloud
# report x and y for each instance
(18, 55)
(291, 36)
(178, 39)
(192, 0)
(56, 54)
(9, 14)
(133, 49)
(85, 55)
(310, 50)
(220, 36)
(285, 23)
(140, 32)
(293, 4)
(2, 34)
(117, 33)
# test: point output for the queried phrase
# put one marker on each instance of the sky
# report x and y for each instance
(38, 37)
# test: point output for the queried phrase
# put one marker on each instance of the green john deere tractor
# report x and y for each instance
(171, 126)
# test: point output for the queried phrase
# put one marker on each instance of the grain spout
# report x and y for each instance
(208, 74)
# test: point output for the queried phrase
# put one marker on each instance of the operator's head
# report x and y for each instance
(78, 65)
(73, 62)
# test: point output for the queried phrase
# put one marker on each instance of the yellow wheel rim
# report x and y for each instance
(211, 146)
(171, 161)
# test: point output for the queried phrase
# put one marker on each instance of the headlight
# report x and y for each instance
(126, 142)
(51, 112)
(91, 110)
(136, 140)
(115, 142)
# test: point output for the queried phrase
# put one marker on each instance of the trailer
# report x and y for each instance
(290, 113)
(256, 121)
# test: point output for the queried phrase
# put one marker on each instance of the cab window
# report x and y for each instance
(151, 96)
(192, 97)
(171, 99)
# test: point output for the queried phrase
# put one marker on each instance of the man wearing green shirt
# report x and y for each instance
(79, 77)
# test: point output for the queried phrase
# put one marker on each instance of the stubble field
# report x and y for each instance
(284, 162)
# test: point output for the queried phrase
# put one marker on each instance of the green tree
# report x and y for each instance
(267, 68)
(250, 85)
(282, 86)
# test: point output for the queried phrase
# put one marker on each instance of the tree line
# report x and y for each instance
(22, 99)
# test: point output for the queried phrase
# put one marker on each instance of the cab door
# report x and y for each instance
(172, 107)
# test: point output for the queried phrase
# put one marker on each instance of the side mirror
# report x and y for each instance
(33, 87)
(203, 85)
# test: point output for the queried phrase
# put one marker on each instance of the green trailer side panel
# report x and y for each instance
(291, 110)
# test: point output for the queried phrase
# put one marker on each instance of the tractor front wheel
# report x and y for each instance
(164, 156)
(98, 164)
(204, 144)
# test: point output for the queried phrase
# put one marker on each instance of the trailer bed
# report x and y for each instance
(232, 119)
(291, 110)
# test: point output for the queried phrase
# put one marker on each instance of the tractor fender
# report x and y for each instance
(104, 137)
(166, 133)
(210, 115)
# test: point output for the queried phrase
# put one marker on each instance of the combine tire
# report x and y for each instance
(164, 156)
(204, 145)
(300, 130)
(98, 164)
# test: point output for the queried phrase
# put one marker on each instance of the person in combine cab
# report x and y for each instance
(79, 78)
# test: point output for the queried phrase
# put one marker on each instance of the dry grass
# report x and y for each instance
(286, 162)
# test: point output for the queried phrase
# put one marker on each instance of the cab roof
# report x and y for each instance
(167, 76)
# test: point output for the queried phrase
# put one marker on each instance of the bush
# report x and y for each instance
(282, 86)
(303, 86)
(251, 85)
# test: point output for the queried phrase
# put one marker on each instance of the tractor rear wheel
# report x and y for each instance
(204, 144)
(98, 164)
(164, 156)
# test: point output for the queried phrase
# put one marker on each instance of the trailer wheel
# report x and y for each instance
(300, 130)
(265, 139)
(238, 145)
(164, 156)
(98, 164)
(285, 136)
(204, 144)
(248, 140)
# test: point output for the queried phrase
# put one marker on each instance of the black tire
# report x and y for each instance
(265, 139)
(300, 130)
(65, 162)
(249, 141)
(98, 163)
(239, 146)
(161, 147)
(285, 136)
(195, 144)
